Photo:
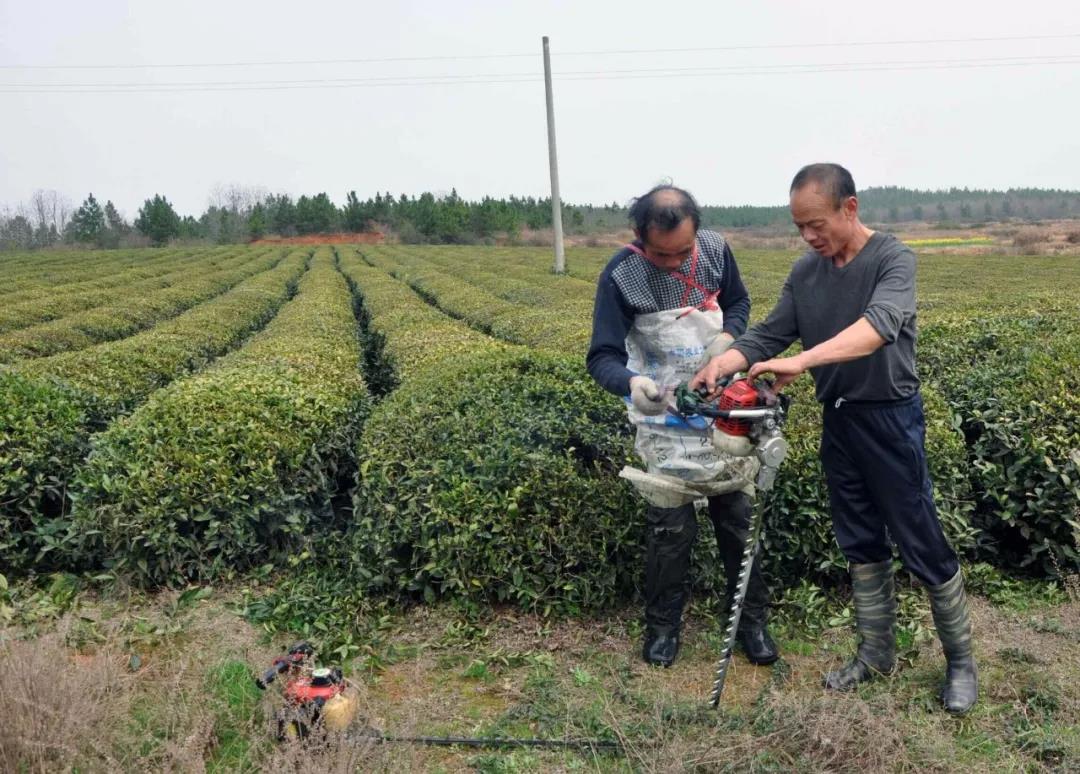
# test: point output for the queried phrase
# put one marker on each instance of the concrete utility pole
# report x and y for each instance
(553, 162)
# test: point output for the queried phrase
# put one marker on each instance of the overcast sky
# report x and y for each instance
(732, 124)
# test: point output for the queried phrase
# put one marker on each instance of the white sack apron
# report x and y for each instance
(682, 465)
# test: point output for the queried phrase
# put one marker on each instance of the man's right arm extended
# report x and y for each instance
(765, 340)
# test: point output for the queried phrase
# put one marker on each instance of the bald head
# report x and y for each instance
(664, 209)
(670, 197)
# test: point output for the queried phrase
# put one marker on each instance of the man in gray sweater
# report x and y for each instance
(851, 301)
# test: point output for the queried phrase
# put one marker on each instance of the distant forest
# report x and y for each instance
(891, 204)
(237, 214)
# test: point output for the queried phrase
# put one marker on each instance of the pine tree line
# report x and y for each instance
(429, 218)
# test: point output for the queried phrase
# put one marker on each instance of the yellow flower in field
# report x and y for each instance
(949, 241)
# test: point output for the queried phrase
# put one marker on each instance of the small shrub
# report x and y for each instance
(1009, 382)
(42, 433)
(494, 481)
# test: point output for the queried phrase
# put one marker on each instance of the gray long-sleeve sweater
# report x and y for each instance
(819, 300)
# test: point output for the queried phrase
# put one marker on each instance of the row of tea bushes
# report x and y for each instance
(412, 336)
(228, 468)
(135, 307)
(512, 274)
(489, 473)
(798, 535)
(32, 307)
(40, 274)
(403, 339)
(1010, 382)
(560, 326)
(493, 479)
(52, 406)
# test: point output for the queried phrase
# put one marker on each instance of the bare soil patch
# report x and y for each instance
(366, 238)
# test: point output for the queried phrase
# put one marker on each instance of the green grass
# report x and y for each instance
(236, 701)
(1010, 593)
(441, 671)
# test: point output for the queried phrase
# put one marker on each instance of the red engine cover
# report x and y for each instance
(737, 395)
(301, 691)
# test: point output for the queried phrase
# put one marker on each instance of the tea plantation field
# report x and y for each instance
(187, 415)
(338, 431)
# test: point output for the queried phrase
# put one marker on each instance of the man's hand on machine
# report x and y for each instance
(647, 396)
(785, 369)
(717, 368)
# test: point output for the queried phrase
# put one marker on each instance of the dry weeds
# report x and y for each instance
(71, 705)
(55, 706)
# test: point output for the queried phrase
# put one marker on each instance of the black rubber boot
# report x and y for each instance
(661, 647)
(669, 537)
(756, 642)
(730, 515)
(875, 622)
(953, 621)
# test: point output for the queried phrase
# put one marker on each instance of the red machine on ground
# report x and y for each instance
(315, 697)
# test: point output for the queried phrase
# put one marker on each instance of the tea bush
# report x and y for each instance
(1010, 382)
(493, 480)
(225, 469)
(798, 536)
(73, 395)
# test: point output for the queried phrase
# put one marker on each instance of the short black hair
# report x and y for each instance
(646, 212)
(833, 179)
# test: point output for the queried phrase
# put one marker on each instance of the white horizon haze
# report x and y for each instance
(727, 100)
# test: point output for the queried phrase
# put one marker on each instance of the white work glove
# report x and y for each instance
(647, 397)
(719, 346)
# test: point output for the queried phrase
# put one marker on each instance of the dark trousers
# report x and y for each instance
(879, 486)
(669, 539)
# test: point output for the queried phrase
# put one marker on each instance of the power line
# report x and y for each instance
(854, 69)
(526, 77)
(609, 52)
(780, 46)
(568, 74)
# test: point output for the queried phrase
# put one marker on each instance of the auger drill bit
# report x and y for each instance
(742, 402)
(771, 449)
(748, 558)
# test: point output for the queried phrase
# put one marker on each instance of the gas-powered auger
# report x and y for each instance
(748, 420)
(314, 697)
